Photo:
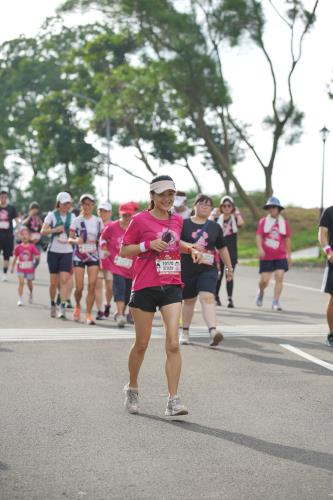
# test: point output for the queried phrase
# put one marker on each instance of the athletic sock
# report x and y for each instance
(53, 303)
(5, 269)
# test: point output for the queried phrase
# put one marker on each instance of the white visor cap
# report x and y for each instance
(105, 205)
(161, 186)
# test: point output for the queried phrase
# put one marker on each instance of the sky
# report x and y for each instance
(298, 169)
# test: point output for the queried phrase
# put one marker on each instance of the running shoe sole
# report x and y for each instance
(177, 414)
(218, 337)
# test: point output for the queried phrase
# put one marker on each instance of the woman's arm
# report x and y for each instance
(259, 245)
(239, 218)
(46, 229)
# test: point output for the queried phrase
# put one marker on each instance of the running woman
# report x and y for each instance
(104, 211)
(8, 213)
(230, 221)
(60, 252)
(85, 231)
(274, 249)
(34, 223)
(120, 267)
(25, 254)
(325, 237)
(200, 278)
(153, 237)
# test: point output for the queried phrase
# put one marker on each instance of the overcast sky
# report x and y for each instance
(297, 178)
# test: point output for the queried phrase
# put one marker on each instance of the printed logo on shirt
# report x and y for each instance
(202, 241)
(4, 220)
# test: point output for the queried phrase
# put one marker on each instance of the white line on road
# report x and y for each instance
(307, 356)
(91, 333)
(302, 287)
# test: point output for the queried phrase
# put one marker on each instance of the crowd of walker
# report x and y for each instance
(165, 257)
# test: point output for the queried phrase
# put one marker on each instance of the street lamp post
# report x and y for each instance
(324, 134)
(108, 137)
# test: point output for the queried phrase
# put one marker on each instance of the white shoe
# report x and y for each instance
(121, 321)
(20, 302)
(31, 299)
(131, 399)
(184, 338)
(4, 278)
(175, 408)
(276, 306)
(259, 299)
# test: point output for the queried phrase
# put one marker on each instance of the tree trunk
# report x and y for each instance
(268, 182)
(222, 162)
(67, 176)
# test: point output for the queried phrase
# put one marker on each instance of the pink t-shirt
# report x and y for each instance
(152, 268)
(25, 253)
(273, 242)
(112, 236)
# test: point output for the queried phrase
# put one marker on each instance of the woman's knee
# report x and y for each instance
(206, 298)
(141, 346)
(172, 346)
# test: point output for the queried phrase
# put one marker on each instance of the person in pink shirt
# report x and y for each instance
(25, 255)
(104, 212)
(120, 267)
(274, 248)
(153, 236)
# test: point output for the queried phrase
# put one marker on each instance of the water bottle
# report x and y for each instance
(83, 231)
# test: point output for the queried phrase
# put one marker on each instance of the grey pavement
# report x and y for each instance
(260, 415)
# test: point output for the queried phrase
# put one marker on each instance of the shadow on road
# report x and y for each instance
(261, 358)
(320, 460)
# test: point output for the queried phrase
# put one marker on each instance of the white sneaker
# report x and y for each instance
(215, 337)
(121, 321)
(31, 299)
(4, 278)
(20, 302)
(259, 298)
(184, 338)
(276, 306)
(131, 402)
(175, 408)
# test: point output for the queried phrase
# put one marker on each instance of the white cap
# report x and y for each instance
(227, 198)
(105, 205)
(64, 197)
(161, 186)
(87, 195)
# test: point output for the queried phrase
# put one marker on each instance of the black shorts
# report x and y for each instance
(6, 245)
(148, 299)
(269, 266)
(89, 263)
(327, 285)
(59, 262)
(200, 282)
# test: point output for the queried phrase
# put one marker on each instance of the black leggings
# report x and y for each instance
(230, 284)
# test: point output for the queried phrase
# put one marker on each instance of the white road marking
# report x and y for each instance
(96, 333)
(302, 287)
(307, 356)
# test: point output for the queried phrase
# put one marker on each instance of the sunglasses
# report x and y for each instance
(227, 205)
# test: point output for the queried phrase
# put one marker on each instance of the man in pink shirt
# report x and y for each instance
(274, 249)
(121, 267)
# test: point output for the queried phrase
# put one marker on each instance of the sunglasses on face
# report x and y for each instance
(226, 205)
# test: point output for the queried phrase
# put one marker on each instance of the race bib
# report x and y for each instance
(63, 238)
(207, 258)
(35, 236)
(270, 243)
(4, 224)
(123, 262)
(168, 266)
(87, 248)
(28, 264)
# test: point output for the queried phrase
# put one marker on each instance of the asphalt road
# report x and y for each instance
(260, 422)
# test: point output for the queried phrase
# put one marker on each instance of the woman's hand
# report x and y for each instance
(58, 229)
(158, 245)
(261, 253)
(196, 256)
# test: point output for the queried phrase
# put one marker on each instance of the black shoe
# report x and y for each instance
(230, 304)
(217, 301)
(329, 340)
(107, 311)
(100, 315)
(58, 301)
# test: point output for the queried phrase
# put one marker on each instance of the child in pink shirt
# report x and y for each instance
(25, 255)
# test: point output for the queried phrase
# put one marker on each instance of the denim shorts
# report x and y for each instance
(121, 288)
(27, 276)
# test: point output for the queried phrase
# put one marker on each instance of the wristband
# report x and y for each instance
(327, 249)
(144, 246)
